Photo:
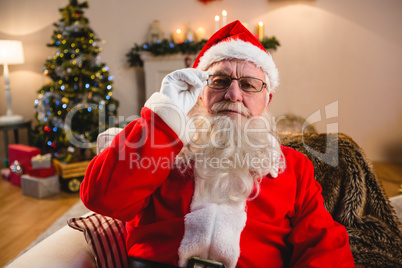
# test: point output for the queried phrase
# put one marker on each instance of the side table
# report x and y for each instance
(15, 127)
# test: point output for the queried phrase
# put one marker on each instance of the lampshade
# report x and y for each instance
(11, 52)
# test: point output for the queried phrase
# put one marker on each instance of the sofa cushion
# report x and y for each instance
(106, 237)
(65, 248)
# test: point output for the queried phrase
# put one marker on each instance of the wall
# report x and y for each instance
(343, 55)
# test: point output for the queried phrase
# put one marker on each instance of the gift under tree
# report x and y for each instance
(77, 104)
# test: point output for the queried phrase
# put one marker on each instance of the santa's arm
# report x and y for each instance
(318, 240)
(119, 181)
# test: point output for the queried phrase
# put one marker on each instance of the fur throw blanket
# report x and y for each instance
(353, 195)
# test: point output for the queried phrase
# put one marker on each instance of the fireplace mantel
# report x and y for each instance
(157, 67)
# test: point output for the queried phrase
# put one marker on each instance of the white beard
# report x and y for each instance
(232, 153)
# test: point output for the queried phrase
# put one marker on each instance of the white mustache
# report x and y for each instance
(230, 106)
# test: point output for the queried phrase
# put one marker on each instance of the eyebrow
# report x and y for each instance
(221, 72)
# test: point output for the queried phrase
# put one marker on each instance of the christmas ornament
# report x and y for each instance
(155, 33)
(169, 47)
(71, 149)
(16, 168)
(164, 47)
(206, 1)
(188, 61)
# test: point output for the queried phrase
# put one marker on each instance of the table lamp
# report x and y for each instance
(10, 53)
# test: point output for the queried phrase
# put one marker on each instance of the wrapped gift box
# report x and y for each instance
(15, 179)
(40, 187)
(5, 174)
(22, 153)
(41, 161)
(42, 172)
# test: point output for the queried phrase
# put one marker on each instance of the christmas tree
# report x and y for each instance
(77, 105)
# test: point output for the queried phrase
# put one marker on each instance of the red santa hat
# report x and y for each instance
(234, 41)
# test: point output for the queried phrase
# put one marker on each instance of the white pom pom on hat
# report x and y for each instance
(234, 41)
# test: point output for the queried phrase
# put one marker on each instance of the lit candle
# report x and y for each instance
(224, 15)
(200, 34)
(178, 36)
(260, 31)
(216, 23)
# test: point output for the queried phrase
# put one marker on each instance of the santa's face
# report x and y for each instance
(256, 103)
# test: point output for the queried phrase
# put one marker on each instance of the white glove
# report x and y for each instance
(178, 95)
(184, 86)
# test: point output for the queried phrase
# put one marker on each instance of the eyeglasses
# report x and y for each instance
(247, 84)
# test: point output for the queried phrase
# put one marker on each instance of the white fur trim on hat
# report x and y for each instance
(239, 49)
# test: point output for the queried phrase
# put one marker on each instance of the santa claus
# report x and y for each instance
(201, 173)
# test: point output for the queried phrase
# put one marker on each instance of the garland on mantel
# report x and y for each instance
(168, 47)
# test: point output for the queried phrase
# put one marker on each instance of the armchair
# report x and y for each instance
(351, 191)
(354, 196)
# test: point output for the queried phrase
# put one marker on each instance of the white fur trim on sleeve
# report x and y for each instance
(171, 115)
(105, 138)
(239, 49)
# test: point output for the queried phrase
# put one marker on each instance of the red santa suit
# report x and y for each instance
(136, 180)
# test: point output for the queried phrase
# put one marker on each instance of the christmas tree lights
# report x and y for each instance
(78, 104)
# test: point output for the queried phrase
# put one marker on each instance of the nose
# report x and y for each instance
(234, 93)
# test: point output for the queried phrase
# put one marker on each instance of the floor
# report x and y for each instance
(25, 218)
(390, 176)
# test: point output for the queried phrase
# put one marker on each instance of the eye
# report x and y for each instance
(250, 84)
(219, 81)
(244, 84)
